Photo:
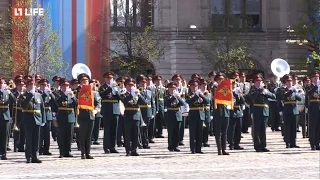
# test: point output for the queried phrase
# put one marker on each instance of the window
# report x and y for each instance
(246, 12)
(133, 13)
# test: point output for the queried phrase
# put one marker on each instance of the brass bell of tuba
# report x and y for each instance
(280, 67)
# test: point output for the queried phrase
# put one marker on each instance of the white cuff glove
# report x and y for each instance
(54, 114)
(306, 110)
(94, 112)
(165, 110)
(157, 112)
(251, 116)
(132, 93)
(229, 107)
(280, 113)
(211, 117)
(243, 107)
(152, 116)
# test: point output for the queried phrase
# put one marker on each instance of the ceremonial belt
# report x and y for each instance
(173, 109)
(261, 105)
(314, 100)
(236, 106)
(196, 109)
(4, 107)
(207, 107)
(31, 111)
(65, 109)
(290, 102)
(145, 106)
(19, 108)
(48, 108)
(161, 99)
(110, 101)
(131, 109)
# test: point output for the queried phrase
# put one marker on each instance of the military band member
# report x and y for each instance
(49, 104)
(55, 89)
(120, 127)
(151, 129)
(221, 120)
(196, 101)
(208, 108)
(274, 118)
(312, 107)
(97, 121)
(260, 112)
(304, 115)
(132, 100)
(182, 91)
(74, 85)
(235, 122)
(245, 88)
(86, 120)
(212, 85)
(300, 104)
(287, 104)
(172, 104)
(110, 111)
(159, 103)
(34, 117)
(18, 136)
(147, 110)
(6, 98)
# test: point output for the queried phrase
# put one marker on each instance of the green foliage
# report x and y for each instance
(26, 40)
(224, 40)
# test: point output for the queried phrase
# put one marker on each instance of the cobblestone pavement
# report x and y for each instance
(158, 162)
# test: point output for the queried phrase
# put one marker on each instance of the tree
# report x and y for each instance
(138, 44)
(33, 47)
(225, 39)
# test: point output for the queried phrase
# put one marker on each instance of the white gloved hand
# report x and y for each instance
(251, 116)
(243, 107)
(133, 93)
(94, 112)
(265, 91)
(54, 114)
(198, 92)
(165, 110)
(229, 107)
(306, 110)
(175, 94)
(280, 113)
(211, 117)
(152, 116)
(157, 112)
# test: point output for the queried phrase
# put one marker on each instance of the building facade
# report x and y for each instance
(268, 34)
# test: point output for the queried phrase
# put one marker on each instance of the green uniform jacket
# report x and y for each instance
(312, 99)
(49, 103)
(259, 101)
(159, 98)
(109, 101)
(196, 102)
(239, 102)
(6, 98)
(287, 102)
(208, 108)
(66, 106)
(172, 105)
(132, 106)
(33, 104)
(148, 109)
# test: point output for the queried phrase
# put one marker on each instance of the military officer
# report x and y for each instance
(245, 88)
(182, 91)
(151, 129)
(132, 100)
(55, 88)
(86, 120)
(34, 117)
(260, 112)
(274, 118)
(312, 107)
(97, 121)
(159, 103)
(172, 104)
(196, 101)
(110, 111)
(208, 108)
(66, 102)
(18, 136)
(288, 109)
(6, 97)
(212, 85)
(74, 85)
(49, 104)
(221, 120)
(235, 122)
(147, 110)
(304, 115)
(120, 127)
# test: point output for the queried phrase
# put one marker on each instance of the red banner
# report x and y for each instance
(223, 94)
(86, 98)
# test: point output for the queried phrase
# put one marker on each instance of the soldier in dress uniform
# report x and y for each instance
(172, 104)
(196, 100)
(304, 115)
(97, 121)
(221, 120)
(34, 117)
(151, 129)
(288, 109)
(235, 122)
(55, 89)
(18, 136)
(147, 110)
(274, 118)
(195, 77)
(66, 102)
(49, 104)
(132, 100)
(312, 107)
(260, 112)
(120, 129)
(212, 85)
(86, 120)
(110, 111)
(182, 91)
(245, 88)
(6, 98)
(208, 108)
(74, 85)
(159, 104)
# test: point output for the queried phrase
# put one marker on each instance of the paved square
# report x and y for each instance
(158, 162)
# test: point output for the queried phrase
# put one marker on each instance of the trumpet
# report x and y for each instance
(52, 88)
